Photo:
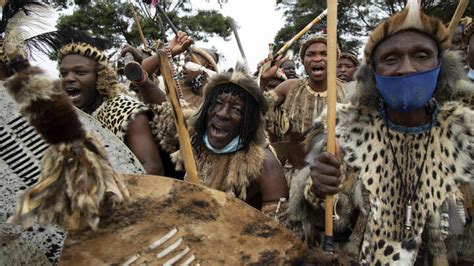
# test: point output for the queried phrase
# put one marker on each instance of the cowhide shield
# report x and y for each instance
(183, 223)
(21, 149)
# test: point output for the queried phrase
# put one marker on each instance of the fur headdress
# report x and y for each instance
(240, 77)
(107, 83)
(312, 39)
(211, 56)
(351, 57)
(411, 18)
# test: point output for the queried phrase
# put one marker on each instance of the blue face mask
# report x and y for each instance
(409, 92)
(470, 74)
(232, 146)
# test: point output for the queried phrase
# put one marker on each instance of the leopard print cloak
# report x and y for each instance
(442, 205)
(118, 112)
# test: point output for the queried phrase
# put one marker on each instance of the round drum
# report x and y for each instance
(174, 222)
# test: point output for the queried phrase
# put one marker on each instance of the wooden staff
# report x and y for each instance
(457, 16)
(303, 31)
(175, 30)
(328, 244)
(139, 27)
(180, 122)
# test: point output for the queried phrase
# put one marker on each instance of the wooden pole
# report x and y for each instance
(182, 128)
(139, 27)
(175, 30)
(457, 16)
(331, 117)
(299, 34)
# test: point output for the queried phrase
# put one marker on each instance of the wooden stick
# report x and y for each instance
(139, 27)
(331, 118)
(175, 30)
(457, 16)
(299, 34)
(182, 128)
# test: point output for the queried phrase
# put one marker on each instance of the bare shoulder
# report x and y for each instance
(285, 86)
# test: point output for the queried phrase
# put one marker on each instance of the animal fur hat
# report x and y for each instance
(107, 83)
(411, 18)
(211, 56)
(313, 39)
(351, 57)
(240, 77)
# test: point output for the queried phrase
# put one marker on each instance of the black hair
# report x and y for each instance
(249, 121)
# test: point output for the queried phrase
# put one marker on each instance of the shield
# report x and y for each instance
(21, 150)
(171, 222)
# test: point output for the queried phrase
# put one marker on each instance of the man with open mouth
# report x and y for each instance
(297, 102)
(229, 140)
(92, 86)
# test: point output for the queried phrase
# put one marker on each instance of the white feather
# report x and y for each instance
(22, 26)
(413, 19)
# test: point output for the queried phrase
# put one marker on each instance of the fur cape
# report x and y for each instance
(369, 165)
(232, 172)
(76, 176)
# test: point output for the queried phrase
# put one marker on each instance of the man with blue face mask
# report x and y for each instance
(404, 166)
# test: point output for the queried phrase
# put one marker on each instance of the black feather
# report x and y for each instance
(12, 7)
(49, 43)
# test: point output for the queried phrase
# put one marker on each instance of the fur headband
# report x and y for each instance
(312, 39)
(411, 18)
(107, 83)
(241, 78)
(351, 57)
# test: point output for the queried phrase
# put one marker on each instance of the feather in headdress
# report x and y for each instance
(77, 179)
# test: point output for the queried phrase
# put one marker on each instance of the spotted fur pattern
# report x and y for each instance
(449, 165)
(116, 114)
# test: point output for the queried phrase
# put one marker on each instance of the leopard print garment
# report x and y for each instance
(116, 114)
(438, 202)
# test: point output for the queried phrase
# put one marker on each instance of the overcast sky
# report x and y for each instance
(258, 23)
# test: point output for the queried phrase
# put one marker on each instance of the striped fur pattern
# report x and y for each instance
(77, 179)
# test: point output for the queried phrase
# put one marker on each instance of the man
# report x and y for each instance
(92, 86)
(229, 140)
(287, 71)
(193, 81)
(347, 66)
(300, 101)
(468, 39)
(404, 170)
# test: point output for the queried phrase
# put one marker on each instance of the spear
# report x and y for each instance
(139, 27)
(233, 27)
(457, 16)
(175, 30)
(299, 34)
(328, 244)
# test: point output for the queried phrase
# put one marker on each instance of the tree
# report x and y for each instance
(113, 20)
(356, 18)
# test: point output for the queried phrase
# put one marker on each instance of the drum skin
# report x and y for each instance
(218, 228)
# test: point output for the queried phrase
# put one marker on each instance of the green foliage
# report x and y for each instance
(113, 20)
(356, 18)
